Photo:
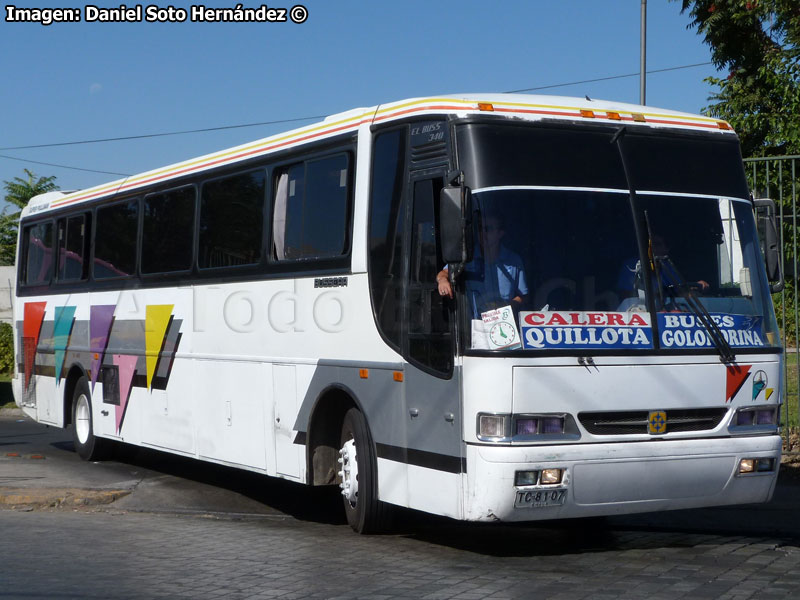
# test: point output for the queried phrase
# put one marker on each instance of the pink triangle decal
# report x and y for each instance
(100, 319)
(127, 368)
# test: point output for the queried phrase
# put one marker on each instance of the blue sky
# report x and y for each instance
(80, 81)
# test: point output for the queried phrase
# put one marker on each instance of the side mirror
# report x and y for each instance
(455, 228)
(767, 225)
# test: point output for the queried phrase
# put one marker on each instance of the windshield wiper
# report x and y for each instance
(686, 291)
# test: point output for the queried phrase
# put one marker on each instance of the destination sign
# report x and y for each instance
(686, 330)
(582, 329)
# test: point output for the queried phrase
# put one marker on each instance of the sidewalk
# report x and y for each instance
(39, 470)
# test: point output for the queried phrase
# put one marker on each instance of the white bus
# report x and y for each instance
(488, 307)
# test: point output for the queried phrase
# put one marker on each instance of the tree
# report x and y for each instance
(758, 43)
(19, 191)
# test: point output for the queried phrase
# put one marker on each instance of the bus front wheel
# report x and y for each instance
(86, 444)
(359, 476)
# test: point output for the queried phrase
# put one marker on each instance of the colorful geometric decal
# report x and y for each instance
(759, 383)
(100, 319)
(737, 375)
(31, 328)
(62, 327)
(127, 368)
(157, 320)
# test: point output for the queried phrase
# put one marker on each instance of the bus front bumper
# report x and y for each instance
(616, 478)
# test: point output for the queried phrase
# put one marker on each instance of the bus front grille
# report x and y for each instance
(635, 421)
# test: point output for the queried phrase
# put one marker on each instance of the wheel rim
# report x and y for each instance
(349, 472)
(82, 418)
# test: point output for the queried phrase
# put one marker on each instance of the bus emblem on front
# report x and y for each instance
(657, 422)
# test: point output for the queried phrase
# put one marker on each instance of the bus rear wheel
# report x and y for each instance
(87, 445)
(359, 477)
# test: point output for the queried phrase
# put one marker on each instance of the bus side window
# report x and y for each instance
(311, 211)
(38, 252)
(115, 231)
(231, 220)
(72, 247)
(168, 231)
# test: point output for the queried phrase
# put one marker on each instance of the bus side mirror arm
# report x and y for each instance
(767, 227)
(454, 225)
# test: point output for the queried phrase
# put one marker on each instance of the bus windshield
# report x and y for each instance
(557, 266)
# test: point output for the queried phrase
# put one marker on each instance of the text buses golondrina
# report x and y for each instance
(494, 307)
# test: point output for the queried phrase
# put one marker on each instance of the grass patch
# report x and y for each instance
(791, 399)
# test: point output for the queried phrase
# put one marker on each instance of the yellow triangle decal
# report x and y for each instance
(769, 391)
(155, 328)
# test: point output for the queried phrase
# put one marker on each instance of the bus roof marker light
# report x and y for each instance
(486, 106)
(587, 114)
(613, 115)
(638, 117)
(724, 126)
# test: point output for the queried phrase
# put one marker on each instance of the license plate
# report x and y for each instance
(540, 498)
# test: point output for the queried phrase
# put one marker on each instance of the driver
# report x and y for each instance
(495, 277)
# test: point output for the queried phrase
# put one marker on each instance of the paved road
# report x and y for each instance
(185, 531)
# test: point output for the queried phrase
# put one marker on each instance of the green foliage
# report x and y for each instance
(758, 43)
(19, 191)
(6, 348)
(786, 314)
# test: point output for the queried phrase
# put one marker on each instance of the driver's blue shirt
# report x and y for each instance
(495, 284)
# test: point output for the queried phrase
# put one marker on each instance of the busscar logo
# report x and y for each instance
(657, 422)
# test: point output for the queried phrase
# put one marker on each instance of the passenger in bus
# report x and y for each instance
(631, 283)
(495, 276)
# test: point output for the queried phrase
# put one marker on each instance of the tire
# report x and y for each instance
(364, 512)
(86, 444)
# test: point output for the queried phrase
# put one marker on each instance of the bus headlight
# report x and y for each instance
(543, 477)
(526, 478)
(756, 416)
(756, 465)
(539, 424)
(551, 476)
(493, 427)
